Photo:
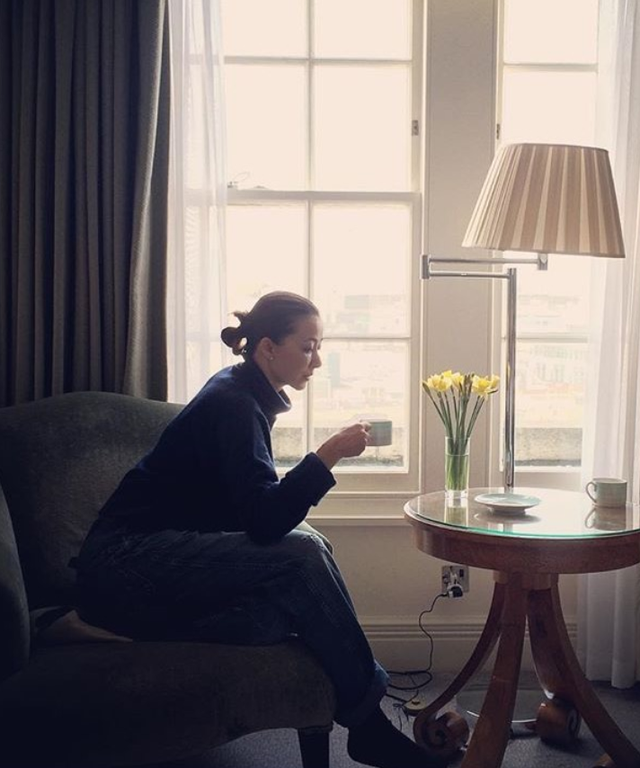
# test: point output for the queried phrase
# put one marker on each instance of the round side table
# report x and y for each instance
(563, 533)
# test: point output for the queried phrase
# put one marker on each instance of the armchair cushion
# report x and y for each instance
(144, 702)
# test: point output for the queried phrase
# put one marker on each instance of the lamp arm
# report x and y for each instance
(541, 261)
(510, 375)
(449, 273)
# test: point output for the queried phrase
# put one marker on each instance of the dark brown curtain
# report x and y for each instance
(84, 115)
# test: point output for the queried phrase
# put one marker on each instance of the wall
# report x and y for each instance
(390, 580)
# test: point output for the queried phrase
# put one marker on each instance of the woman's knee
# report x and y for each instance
(304, 551)
(303, 544)
(305, 527)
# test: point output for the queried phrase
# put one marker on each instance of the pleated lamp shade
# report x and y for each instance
(548, 198)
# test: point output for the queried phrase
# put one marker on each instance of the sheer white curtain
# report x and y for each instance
(197, 196)
(609, 603)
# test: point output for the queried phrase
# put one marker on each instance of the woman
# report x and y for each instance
(199, 541)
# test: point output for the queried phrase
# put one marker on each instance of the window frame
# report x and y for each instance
(370, 486)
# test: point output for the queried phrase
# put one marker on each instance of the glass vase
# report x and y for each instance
(456, 469)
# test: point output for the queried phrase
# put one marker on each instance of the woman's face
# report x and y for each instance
(293, 361)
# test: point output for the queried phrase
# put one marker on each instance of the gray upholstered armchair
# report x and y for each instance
(116, 703)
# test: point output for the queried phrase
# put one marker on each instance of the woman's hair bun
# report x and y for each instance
(233, 336)
(273, 316)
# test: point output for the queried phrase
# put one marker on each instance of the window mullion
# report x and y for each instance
(310, 85)
(310, 293)
(308, 416)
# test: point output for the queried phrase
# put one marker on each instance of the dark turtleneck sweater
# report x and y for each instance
(213, 470)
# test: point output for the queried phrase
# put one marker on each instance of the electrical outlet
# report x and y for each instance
(455, 575)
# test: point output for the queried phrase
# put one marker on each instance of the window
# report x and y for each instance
(323, 199)
(548, 77)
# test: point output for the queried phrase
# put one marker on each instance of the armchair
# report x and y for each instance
(101, 703)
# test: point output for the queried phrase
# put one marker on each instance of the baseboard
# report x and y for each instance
(399, 643)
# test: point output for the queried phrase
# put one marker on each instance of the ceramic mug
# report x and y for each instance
(607, 491)
(381, 432)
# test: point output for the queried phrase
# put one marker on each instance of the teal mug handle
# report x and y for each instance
(590, 483)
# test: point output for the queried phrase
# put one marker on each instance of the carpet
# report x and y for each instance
(279, 748)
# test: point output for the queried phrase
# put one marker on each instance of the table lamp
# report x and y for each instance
(540, 198)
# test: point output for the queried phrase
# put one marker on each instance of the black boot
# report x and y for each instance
(376, 742)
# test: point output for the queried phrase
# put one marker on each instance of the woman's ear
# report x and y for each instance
(266, 348)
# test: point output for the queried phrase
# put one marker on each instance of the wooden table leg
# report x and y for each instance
(491, 734)
(561, 675)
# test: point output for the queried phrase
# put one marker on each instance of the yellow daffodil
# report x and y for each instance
(458, 380)
(451, 394)
(438, 382)
(483, 386)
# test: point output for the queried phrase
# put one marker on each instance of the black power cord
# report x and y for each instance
(416, 687)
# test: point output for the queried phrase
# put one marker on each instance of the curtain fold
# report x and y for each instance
(84, 122)
(197, 196)
(609, 603)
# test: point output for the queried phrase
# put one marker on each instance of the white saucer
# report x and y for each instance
(511, 503)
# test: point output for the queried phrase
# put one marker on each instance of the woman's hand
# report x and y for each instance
(350, 441)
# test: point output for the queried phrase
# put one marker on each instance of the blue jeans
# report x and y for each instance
(225, 588)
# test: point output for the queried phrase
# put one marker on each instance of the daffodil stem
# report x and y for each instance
(476, 411)
(456, 468)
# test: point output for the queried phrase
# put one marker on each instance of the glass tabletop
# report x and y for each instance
(553, 514)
